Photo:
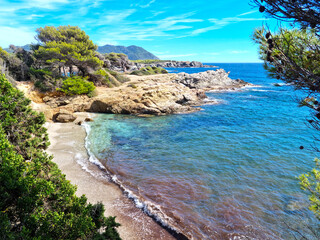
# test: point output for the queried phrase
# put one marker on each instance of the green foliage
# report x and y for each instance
(293, 56)
(36, 200)
(114, 56)
(290, 55)
(13, 66)
(103, 77)
(67, 46)
(44, 79)
(311, 183)
(76, 86)
(150, 61)
(149, 71)
(22, 125)
(120, 77)
(40, 72)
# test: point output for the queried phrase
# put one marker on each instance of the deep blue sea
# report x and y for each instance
(228, 171)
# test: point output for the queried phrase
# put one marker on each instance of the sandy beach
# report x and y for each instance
(68, 148)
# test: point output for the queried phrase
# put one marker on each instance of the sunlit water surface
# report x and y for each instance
(226, 172)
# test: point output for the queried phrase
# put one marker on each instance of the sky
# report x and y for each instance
(199, 30)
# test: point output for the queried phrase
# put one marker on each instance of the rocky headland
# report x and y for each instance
(121, 63)
(143, 95)
(174, 64)
(210, 80)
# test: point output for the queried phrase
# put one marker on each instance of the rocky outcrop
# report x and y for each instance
(174, 64)
(210, 80)
(143, 95)
(156, 95)
(117, 62)
(64, 116)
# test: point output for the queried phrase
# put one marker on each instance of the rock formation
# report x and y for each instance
(210, 80)
(174, 64)
(153, 94)
(64, 116)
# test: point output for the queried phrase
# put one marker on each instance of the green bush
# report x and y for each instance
(36, 200)
(149, 71)
(120, 77)
(38, 73)
(76, 86)
(151, 61)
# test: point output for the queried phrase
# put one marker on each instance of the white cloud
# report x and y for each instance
(148, 4)
(247, 13)
(143, 5)
(116, 16)
(52, 4)
(148, 30)
(33, 16)
(16, 36)
(220, 23)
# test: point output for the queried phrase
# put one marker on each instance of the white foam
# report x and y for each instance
(147, 207)
(92, 157)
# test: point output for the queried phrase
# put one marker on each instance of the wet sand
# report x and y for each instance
(68, 148)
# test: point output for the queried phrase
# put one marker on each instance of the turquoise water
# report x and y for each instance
(226, 172)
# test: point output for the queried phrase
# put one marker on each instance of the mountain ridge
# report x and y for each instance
(133, 52)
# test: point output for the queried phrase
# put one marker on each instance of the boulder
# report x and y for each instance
(88, 120)
(64, 116)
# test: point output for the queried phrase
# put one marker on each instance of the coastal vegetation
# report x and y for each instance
(36, 200)
(76, 85)
(150, 61)
(149, 71)
(293, 56)
(66, 60)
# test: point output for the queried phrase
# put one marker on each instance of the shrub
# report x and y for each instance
(76, 85)
(120, 77)
(36, 200)
(149, 71)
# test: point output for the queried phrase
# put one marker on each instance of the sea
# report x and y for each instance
(229, 171)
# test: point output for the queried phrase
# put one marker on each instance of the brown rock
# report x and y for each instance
(88, 120)
(64, 116)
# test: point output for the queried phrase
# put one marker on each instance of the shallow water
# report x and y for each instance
(226, 172)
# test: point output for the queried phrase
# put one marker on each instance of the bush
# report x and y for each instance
(149, 71)
(120, 77)
(76, 86)
(36, 200)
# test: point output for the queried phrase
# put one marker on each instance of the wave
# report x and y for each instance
(213, 101)
(151, 209)
(263, 90)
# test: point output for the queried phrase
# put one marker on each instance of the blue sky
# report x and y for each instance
(207, 31)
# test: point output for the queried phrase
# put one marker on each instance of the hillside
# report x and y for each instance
(25, 47)
(133, 52)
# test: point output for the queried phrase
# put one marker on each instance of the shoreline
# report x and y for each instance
(69, 153)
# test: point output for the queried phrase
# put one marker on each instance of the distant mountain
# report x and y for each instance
(25, 47)
(133, 52)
